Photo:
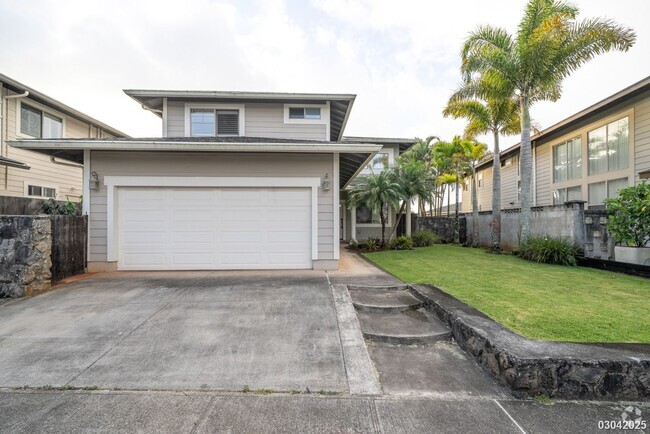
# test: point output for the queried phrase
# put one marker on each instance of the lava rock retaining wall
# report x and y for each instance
(555, 369)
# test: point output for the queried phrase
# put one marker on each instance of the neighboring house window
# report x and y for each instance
(36, 123)
(608, 147)
(562, 195)
(210, 122)
(304, 112)
(567, 160)
(40, 191)
(379, 162)
(599, 191)
(365, 215)
(480, 180)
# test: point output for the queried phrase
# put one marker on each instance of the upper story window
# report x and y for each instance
(36, 123)
(608, 147)
(304, 112)
(214, 122)
(380, 162)
(567, 160)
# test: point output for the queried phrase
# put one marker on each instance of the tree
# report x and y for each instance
(378, 192)
(453, 154)
(496, 116)
(474, 153)
(422, 151)
(549, 45)
(412, 177)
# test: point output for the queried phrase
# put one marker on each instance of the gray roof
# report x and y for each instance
(40, 97)
(354, 154)
(340, 104)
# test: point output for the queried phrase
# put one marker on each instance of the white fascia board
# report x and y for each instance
(122, 145)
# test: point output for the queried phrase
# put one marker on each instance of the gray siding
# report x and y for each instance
(260, 120)
(641, 137)
(175, 119)
(543, 174)
(195, 164)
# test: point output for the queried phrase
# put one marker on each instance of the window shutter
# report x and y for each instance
(30, 121)
(227, 123)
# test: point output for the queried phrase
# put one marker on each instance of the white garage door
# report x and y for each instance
(214, 228)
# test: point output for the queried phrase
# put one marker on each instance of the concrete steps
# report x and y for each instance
(393, 315)
(384, 300)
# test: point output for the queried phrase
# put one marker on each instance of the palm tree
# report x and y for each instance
(422, 151)
(496, 116)
(474, 154)
(379, 192)
(549, 45)
(454, 155)
(413, 180)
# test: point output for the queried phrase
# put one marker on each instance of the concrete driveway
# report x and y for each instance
(177, 330)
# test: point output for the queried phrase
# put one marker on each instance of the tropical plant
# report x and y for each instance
(412, 178)
(496, 116)
(549, 45)
(53, 207)
(549, 250)
(425, 238)
(401, 243)
(473, 154)
(379, 192)
(372, 245)
(629, 221)
(422, 151)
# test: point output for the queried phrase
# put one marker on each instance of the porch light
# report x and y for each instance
(326, 183)
(94, 181)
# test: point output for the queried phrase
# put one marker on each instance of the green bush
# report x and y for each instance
(372, 245)
(401, 243)
(425, 238)
(549, 250)
(53, 207)
(630, 222)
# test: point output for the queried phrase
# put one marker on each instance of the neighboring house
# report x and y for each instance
(238, 180)
(361, 223)
(26, 113)
(588, 156)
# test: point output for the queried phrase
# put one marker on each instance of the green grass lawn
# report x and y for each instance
(538, 301)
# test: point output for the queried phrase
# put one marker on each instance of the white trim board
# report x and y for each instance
(113, 182)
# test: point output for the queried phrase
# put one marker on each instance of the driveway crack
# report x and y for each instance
(126, 336)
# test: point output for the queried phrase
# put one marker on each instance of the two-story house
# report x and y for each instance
(28, 113)
(588, 156)
(238, 180)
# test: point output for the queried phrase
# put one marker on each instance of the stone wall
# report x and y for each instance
(532, 368)
(444, 227)
(25, 255)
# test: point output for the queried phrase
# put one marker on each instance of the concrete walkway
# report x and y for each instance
(189, 412)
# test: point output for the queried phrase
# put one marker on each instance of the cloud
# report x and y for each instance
(400, 58)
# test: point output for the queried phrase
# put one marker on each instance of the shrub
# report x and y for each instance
(53, 207)
(630, 222)
(401, 243)
(372, 245)
(548, 250)
(354, 245)
(425, 238)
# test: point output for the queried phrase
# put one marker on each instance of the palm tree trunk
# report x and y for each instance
(398, 219)
(496, 195)
(526, 170)
(382, 217)
(475, 239)
(457, 222)
(448, 200)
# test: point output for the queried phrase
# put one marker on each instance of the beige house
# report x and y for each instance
(26, 113)
(588, 156)
(238, 180)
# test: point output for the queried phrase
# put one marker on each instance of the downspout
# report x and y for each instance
(4, 113)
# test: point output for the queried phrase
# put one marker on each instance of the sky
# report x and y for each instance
(401, 58)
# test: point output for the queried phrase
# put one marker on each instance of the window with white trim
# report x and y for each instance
(567, 160)
(599, 191)
(40, 191)
(366, 216)
(562, 195)
(608, 147)
(213, 122)
(304, 112)
(37, 123)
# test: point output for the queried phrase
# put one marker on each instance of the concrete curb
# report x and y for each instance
(362, 378)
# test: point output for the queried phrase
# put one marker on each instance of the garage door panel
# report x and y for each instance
(214, 228)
